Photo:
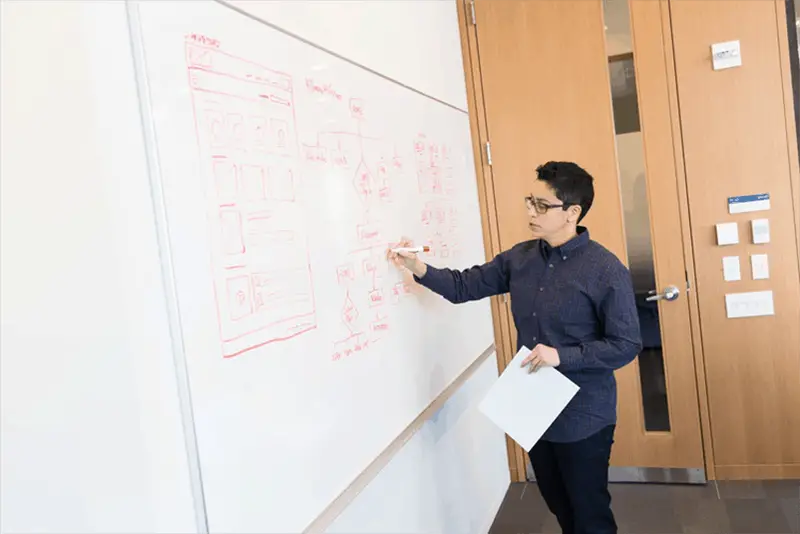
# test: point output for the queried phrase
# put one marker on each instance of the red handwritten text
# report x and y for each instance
(322, 89)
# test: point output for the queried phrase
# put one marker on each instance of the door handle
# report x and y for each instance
(670, 293)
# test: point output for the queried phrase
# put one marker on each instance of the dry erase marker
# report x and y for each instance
(412, 250)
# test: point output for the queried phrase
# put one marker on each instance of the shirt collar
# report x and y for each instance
(570, 247)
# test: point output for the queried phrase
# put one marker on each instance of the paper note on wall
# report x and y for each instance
(760, 266)
(748, 203)
(727, 234)
(754, 304)
(760, 229)
(731, 269)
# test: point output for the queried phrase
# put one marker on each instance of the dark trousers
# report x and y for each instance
(573, 479)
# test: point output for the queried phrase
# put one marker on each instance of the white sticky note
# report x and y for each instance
(731, 268)
(755, 304)
(727, 234)
(523, 404)
(726, 55)
(760, 265)
(760, 228)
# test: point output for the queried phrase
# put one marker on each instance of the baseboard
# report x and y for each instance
(758, 472)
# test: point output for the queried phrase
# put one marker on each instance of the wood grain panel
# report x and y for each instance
(500, 312)
(547, 97)
(736, 142)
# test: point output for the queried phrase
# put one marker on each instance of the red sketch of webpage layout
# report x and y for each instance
(245, 121)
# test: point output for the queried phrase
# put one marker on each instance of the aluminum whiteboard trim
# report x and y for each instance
(312, 44)
(340, 503)
(167, 267)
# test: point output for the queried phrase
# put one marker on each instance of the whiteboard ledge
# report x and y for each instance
(340, 503)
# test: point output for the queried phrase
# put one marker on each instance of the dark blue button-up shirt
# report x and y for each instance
(577, 298)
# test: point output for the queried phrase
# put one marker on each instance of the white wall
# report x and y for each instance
(91, 429)
(91, 434)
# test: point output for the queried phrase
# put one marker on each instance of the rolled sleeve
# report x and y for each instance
(475, 283)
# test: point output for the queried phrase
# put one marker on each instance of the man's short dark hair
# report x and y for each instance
(572, 185)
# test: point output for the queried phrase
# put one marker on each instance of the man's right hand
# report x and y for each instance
(409, 260)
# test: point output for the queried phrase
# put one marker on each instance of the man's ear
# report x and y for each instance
(574, 213)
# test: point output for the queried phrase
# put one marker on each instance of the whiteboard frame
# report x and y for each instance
(167, 267)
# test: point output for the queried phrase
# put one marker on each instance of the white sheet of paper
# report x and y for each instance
(523, 404)
(754, 304)
(760, 265)
(760, 229)
(727, 234)
(731, 268)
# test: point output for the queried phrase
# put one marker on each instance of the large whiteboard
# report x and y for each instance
(285, 172)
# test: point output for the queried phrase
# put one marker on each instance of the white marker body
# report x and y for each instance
(411, 250)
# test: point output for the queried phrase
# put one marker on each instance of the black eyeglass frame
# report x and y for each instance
(543, 207)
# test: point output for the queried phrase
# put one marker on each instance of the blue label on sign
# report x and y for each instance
(748, 198)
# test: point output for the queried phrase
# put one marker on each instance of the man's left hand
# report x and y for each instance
(541, 356)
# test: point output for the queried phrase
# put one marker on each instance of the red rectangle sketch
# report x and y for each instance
(234, 126)
(281, 183)
(368, 233)
(379, 324)
(400, 290)
(345, 273)
(434, 168)
(257, 134)
(340, 159)
(244, 115)
(230, 224)
(214, 125)
(357, 108)
(198, 57)
(226, 181)
(240, 300)
(253, 182)
(279, 131)
(376, 298)
(370, 267)
(315, 154)
(440, 217)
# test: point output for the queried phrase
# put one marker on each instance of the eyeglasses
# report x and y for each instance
(541, 206)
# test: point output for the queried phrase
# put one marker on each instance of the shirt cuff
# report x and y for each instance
(431, 279)
(422, 280)
(569, 358)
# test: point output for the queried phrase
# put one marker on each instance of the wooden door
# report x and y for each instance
(542, 92)
(739, 137)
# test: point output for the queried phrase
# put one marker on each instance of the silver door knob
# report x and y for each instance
(670, 293)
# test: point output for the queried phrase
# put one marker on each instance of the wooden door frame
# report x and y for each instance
(501, 312)
(676, 141)
(791, 83)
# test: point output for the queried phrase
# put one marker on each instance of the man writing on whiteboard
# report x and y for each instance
(573, 304)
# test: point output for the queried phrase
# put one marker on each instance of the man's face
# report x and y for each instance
(546, 216)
